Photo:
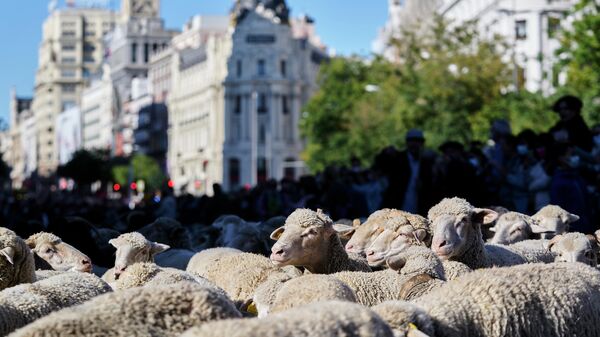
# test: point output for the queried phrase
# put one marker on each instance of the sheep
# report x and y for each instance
(240, 274)
(554, 220)
(311, 288)
(149, 274)
(44, 274)
(147, 311)
(309, 240)
(24, 303)
(202, 260)
(265, 294)
(575, 247)
(322, 319)
(397, 238)
(50, 252)
(242, 235)
(364, 234)
(16, 260)
(174, 258)
(512, 227)
(550, 300)
(131, 248)
(457, 237)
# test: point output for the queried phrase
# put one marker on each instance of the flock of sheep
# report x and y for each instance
(396, 274)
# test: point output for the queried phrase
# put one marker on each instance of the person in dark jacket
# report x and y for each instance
(571, 127)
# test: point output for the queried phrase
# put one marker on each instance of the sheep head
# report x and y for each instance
(303, 239)
(455, 224)
(364, 234)
(553, 220)
(58, 254)
(512, 227)
(575, 247)
(133, 248)
(391, 242)
(16, 260)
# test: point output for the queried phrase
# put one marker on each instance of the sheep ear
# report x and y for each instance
(420, 235)
(277, 233)
(569, 218)
(597, 235)
(115, 242)
(552, 242)
(413, 331)
(9, 254)
(30, 242)
(158, 248)
(396, 263)
(356, 223)
(492, 229)
(344, 230)
(485, 216)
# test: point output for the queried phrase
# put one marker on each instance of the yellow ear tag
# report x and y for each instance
(252, 308)
(411, 326)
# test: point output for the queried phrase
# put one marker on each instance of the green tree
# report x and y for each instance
(86, 167)
(580, 57)
(141, 167)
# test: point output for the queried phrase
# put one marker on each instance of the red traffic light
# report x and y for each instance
(116, 187)
(133, 186)
(170, 184)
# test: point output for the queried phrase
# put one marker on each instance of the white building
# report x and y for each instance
(531, 28)
(68, 134)
(236, 96)
(70, 52)
(98, 109)
(22, 125)
(271, 74)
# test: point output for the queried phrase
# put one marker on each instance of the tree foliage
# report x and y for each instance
(447, 80)
(86, 167)
(580, 57)
(141, 167)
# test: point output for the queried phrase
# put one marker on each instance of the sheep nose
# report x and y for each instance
(277, 251)
(442, 244)
(86, 261)
(349, 246)
(370, 253)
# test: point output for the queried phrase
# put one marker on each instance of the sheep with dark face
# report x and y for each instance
(309, 240)
(52, 253)
(457, 236)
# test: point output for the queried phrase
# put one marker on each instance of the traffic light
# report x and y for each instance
(116, 187)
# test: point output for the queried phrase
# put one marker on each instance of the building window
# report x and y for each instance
(289, 172)
(87, 58)
(239, 68)
(283, 67)
(68, 88)
(68, 33)
(285, 105)
(262, 71)
(234, 172)
(262, 134)
(238, 105)
(89, 48)
(67, 105)
(68, 47)
(553, 26)
(134, 53)
(68, 60)
(521, 29)
(261, 169)
(262, 104)
(146, 52)
(68, 73)
(86, 73)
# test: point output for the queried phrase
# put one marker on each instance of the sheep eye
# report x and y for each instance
(48, 251)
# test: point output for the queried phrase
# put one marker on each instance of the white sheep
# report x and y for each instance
(311, 288)
(132, 248)
(200, 262)
(364, 234)
(309, 240)
(536, 300)
(146, 311)
(24, 303)
(240, 274)
(554, 220)
(457, 236)
(50, 252)
(575, 247)
(16, 260)
(512, 227)
(322, 319)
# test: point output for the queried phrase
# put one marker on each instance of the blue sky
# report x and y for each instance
(347, 26)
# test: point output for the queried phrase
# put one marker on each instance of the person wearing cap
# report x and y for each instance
(571, 127)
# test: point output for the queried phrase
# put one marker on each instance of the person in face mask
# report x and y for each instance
(571, 127)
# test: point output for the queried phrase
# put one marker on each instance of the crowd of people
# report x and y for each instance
(521, 172)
